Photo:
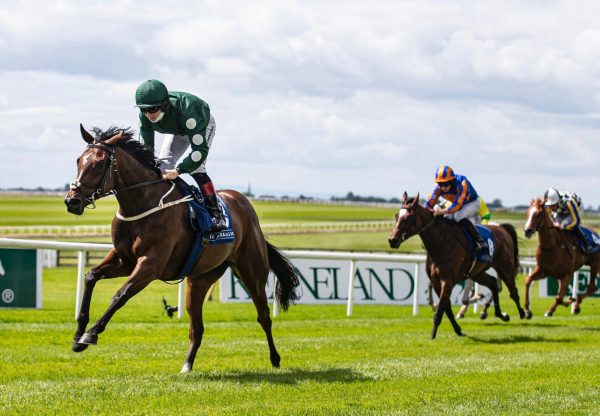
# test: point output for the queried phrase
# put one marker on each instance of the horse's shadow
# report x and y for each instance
(289, 376)
(518, 339)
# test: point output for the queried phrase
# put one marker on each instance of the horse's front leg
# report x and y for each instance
(195, 295)
(144, 272)
(444, 303)
(537, 274)
(110, 267)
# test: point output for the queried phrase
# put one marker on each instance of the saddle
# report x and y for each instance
(200, 222)
(588, 241)
(487, 236)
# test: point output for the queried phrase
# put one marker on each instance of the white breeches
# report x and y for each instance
(470, 211)
(174, 146)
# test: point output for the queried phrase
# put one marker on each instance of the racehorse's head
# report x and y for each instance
(535, 215)
(408, 221)
(94, 171)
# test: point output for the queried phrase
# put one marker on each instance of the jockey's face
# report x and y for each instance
(445, 186)
(152, 116)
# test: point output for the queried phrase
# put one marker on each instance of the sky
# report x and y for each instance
(318, 98)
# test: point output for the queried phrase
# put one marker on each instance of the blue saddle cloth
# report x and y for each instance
(487, 236)
(200, 222)
(592, 243)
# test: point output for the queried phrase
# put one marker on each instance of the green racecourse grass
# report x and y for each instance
(380, 361)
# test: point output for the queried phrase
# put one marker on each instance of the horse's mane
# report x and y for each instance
(139, 151)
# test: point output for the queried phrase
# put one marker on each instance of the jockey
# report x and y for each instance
(566, 211)
(187, 122)
(465, 204)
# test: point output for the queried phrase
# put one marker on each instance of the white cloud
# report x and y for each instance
(318, 97)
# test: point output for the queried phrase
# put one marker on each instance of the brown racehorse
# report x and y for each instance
(557, 255)
(449, 259)
(157, 245)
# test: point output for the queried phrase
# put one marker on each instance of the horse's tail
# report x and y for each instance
(287, 278)
(510, 229)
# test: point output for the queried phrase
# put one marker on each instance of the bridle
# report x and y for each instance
(404, 237)
(111, 168)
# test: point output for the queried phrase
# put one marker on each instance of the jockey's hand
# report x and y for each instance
(441, 211)
(170, 174)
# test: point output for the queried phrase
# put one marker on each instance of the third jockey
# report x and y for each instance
(187, 122)
(464, 200)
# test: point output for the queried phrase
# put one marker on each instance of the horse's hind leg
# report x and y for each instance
(509, 280)
(254, 278)
(575, 309)
(490, 282)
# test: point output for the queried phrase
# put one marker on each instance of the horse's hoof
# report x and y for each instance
(548, 314)
(275, 361)
(483, 316)
(521, 314)
(528, 314)
(88, 339)
(575, 310)
(77, 347)
(186, 369)
(460, 315)
(504, 316)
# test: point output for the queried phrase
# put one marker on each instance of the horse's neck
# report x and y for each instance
(433, 234)
(548, 234)
(131, 172)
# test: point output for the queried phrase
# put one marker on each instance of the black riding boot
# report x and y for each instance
(468, 225)
(210, 199)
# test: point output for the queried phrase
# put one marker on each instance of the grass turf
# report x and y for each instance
(379, 361)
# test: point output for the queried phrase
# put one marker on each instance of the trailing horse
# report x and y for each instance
(449, 258)
(557, 255)
(156, 246)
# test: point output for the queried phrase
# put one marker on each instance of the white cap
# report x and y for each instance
(552, 197)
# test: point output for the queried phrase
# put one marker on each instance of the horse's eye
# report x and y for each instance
(99, 165)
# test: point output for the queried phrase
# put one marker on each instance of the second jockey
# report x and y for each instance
(566, 212)
(464, 202)
(186, 121)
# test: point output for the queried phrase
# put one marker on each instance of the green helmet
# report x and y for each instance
(151, 93)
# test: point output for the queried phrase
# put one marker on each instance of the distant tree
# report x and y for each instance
(496, 203)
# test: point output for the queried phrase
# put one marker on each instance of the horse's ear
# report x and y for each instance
(404, 196)
(86, 135)
(114, 139)
(417, 199)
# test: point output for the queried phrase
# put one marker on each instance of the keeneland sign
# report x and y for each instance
(327, 281)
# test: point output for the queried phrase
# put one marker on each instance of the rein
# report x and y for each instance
(159, 207)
